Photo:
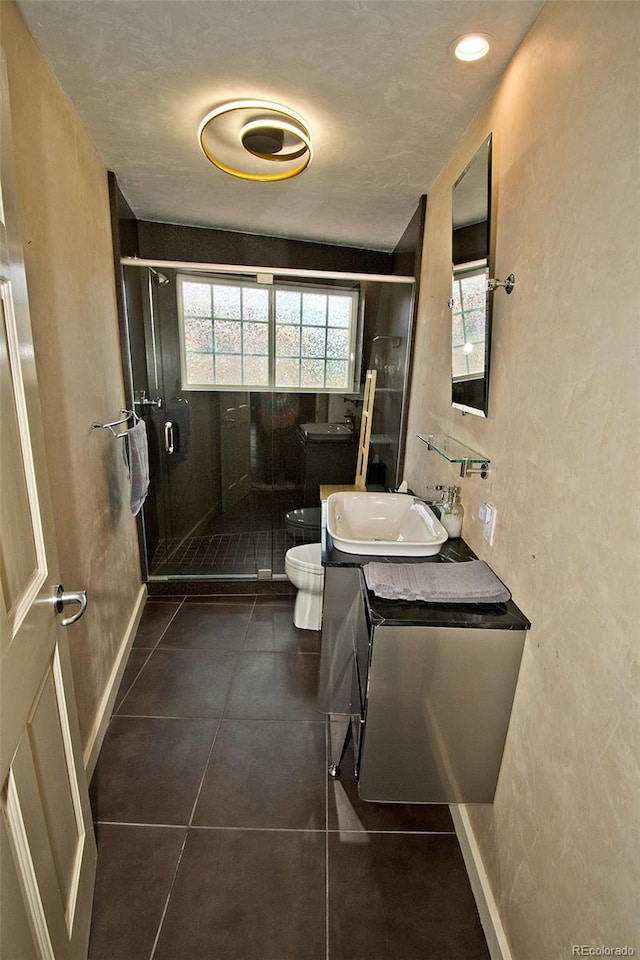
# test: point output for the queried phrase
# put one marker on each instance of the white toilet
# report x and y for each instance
(303, 566)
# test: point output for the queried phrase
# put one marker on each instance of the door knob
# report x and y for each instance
(64, 597)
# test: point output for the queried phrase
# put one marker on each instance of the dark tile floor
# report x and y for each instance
(220, 835)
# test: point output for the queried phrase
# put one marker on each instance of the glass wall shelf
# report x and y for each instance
(455, 452)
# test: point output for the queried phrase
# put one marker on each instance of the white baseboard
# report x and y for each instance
(485, 901)
(94, 743)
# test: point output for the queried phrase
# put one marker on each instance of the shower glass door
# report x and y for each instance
(224, 466)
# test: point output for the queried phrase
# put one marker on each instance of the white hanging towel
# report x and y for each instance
(136, 450)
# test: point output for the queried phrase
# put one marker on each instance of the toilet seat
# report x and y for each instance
(304, 524)
(306, 557)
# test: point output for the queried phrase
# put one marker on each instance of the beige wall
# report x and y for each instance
(560, 842)
(64, 219)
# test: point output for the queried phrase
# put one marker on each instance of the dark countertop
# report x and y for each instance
(494, 616)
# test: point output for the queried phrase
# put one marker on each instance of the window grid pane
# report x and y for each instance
(287, 341)
(314, 309)
(314, 342)
(469, 324)
(226, 342)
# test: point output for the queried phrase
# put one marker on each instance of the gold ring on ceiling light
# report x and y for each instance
(267, 114)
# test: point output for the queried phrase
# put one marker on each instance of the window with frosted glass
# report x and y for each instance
(469, 323)
(225, 334)
(314, 343)
(236, 334)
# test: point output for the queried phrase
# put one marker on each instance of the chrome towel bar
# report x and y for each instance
(128, 414)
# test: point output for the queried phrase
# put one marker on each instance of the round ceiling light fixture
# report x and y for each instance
(245, 138)
(470, 47)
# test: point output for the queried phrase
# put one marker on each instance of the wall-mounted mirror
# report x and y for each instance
(471, 300)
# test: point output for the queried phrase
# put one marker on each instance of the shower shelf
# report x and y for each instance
(470, 461)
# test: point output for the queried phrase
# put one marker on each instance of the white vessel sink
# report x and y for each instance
(383, 524)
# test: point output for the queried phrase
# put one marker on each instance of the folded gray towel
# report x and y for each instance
(468, 582)
(136, 455)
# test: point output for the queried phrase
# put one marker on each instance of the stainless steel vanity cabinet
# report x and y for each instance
(429, 690)
(345, 630)
(437, 710)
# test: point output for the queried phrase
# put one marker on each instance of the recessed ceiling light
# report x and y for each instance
(473, 46)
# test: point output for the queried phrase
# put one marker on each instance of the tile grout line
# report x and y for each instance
(189, 826)
(327, 750)
(158, 646)
(186, 832)
(117, 706)
(169, 892)
(217, 730)
(184, 826)
(151, 650)
(175, 614)
(164, 716)
(184, 842)
(164, 826)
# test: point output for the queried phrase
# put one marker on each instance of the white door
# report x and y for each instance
(235, 448)
(47, 846)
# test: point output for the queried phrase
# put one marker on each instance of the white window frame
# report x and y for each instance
(462, 272)
(355, 334)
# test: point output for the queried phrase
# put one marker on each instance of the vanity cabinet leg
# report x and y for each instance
(334, 768)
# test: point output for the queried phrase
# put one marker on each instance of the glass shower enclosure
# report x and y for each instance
(227, 465)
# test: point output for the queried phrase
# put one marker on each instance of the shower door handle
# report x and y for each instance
(168, 436)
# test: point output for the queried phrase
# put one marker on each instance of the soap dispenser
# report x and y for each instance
(451, 511)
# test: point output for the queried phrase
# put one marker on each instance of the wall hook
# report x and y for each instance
(508, 284)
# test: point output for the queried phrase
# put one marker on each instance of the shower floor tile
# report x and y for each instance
(239, 554)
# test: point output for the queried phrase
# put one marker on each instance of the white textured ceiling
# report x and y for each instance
(385, 101)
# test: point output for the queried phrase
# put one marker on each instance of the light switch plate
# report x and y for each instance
(489, 525)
